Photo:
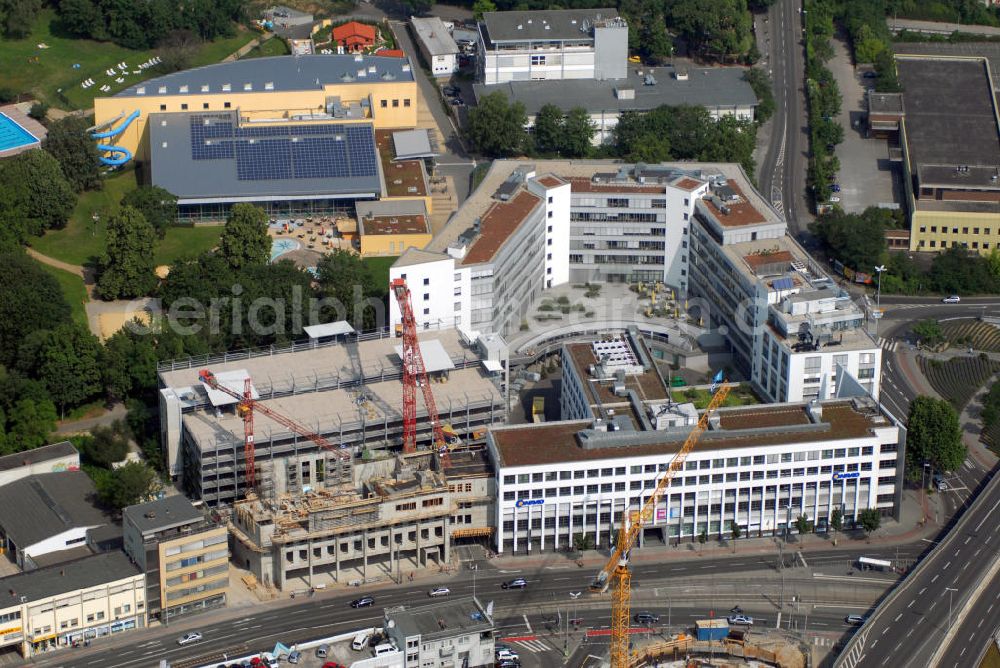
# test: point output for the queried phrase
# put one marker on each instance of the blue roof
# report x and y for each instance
(210, 157)
(783, 284)
(278, 73)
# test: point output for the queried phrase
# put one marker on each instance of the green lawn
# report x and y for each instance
(379, 266)
(739, 396)
(185, 242)
(82, 241)
(54, 67)
(272, 47)
(73, 290)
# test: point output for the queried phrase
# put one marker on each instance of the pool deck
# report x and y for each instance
(19, 114)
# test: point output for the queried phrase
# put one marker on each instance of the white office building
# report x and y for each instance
(795, 334)
(552, 44)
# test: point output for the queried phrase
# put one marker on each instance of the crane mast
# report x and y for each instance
(617, 569)
(414, 374)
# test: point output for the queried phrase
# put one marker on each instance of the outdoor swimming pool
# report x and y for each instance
(281, 246)
(13, 135)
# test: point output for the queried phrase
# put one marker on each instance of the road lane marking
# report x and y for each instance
(934, 579)
(945, 567)
(910, 604)
(920, 593)
(897, 618)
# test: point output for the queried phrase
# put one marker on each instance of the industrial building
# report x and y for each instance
(182, 553)
(943, 130)
(443, 634)
(53, 458)
(793, 332)
(552, 44)
(761, 467)
(722, 91)
(393, 515)
(58, 606)
(347, 388)
(436, 44)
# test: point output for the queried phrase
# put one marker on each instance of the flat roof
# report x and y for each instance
(410, 144)
(547, 24)
(162, 514)
(434, 35)
(647, 385)
(714, 88)
(950, 120)
(403, 178)
(433, 354)
(336, 328)
(234, 381)
(392, 225)
(498, 224)
(281, 73)
(42, 454)
(209, 157)
(67, 577)
(441, 619)
(742, 427)
(885, 103)
(737, 212)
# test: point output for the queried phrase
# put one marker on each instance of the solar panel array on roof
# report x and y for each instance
(783, 284)
(285, 152)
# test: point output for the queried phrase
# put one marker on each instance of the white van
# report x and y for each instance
(360, 641)
(385, 648)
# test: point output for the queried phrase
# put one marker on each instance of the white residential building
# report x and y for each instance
(552, 44)
(443, 634)
(436, 45)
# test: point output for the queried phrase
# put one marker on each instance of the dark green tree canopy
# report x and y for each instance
(69, 142)
(38, 191)
(857, 240)
(66, 360)
(934, 436)
(126, 269)
(245, 242)
(128, 485)
(350, 286)
(30, 301)
(157, 206)
(496, 126)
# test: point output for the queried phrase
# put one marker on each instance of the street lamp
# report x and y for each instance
(951, 592)
(475, 571)
(878, 297)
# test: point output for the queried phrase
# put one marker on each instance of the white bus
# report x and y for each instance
(867, 564)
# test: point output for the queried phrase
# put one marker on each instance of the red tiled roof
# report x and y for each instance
(354, 31)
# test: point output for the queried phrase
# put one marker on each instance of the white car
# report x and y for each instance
(189, 638)
(439, 591)
(740, 619)
(835, 199)
(954, 299)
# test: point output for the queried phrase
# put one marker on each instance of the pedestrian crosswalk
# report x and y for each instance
(823, 642)
(536, 645)
(889, 345)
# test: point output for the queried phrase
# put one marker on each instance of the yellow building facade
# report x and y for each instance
(194, 570)
(940, 230)
(267, 91)
(389, 227)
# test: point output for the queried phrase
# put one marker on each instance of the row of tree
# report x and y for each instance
(823, 99)
(498, 128)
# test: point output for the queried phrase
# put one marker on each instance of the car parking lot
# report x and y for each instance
(866, 177)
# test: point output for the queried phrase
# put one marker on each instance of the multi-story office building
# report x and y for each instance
(552, 44)
(67, 604)
(443, 634)
(794, 333)
(184, 555)
(347, 391)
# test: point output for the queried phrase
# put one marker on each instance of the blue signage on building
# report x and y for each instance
(521, 503)
(846, 476)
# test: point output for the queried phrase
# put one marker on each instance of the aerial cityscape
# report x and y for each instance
(392, 334)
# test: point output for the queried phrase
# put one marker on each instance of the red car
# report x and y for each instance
(332, 664)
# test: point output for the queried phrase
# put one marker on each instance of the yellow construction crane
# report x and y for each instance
(632, 523)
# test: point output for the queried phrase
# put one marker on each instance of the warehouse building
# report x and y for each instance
(54, 458)
(437, 46)
(345, 387)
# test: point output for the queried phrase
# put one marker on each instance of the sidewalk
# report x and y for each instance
(910, 528)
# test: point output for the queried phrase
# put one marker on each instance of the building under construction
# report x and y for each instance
(399, 514)
(347, 389)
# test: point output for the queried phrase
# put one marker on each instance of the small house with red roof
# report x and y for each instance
(354, 36)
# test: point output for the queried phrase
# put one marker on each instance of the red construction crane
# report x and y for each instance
(414, 373)
(246, 406)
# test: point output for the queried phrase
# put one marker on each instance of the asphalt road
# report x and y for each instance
(914, 620)
(783, 169)
(535, 610)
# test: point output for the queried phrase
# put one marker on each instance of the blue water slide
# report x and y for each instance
(117, 154)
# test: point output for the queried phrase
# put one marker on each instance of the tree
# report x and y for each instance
(736, 532)
(107, 444)
(244, 240)
(38, 190)
(157, 206)
(30, 301)
(578, 131)
(722, 29)
(346, 280)
(763, 88)
(417, 7)
(38, 111)
(870, 520)
(933, 435)
(126, 269)
(29, 425)
(17, 17)
(867, 45)
(837, 520)
(69, 143)
(856, 240)
(583, 541)
(480, 7)
(929, 332)
(802, 524)
(130, 484)
(128, 364)
(548, 130)
(496, 126)
(960, 271)
(702, 539)
(66, 360)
